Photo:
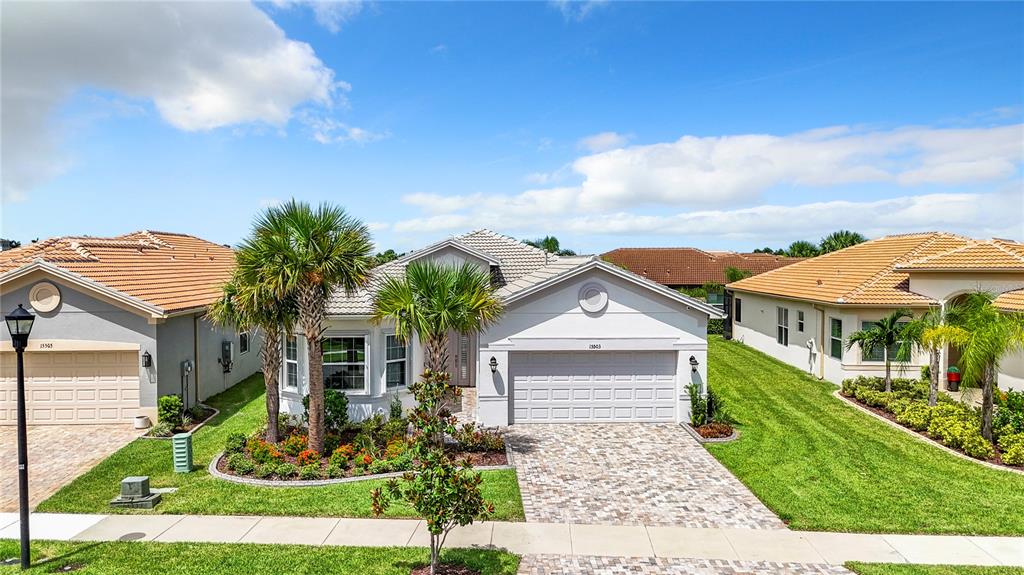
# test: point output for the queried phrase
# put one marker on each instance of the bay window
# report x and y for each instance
(344, 359)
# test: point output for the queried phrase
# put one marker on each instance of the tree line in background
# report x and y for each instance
(804, 249)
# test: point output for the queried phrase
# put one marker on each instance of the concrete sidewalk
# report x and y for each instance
(573, 540)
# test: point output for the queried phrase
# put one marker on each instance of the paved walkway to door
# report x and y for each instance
(629, 474)
(56, 455)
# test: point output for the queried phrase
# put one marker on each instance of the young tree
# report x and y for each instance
(385, 257)
(984, 334)
(733, 274)
(840, 239)
(922, 333)
(884, 334)
(248, 306)
(306, 254)
(433, 299)
(445, 494)
(802, 249)
(549, 244)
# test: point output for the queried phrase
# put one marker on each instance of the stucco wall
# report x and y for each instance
(455, 257)
(945, 286)
(81, 316)
(1011, 372)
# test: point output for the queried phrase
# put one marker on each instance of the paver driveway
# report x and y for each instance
(579, 565)
(56, 455)
(620, 474)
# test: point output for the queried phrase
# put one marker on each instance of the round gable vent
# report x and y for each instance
(44, 297)
(593, 298)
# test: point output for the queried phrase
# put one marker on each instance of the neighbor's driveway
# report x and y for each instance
(644, 473)
(56, 455)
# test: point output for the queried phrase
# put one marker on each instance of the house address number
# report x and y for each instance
(594, 346)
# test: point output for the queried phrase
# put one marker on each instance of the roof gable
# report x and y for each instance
(974, 255)
(691, 266)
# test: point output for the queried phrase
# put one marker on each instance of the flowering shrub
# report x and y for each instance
(263, 452)
(295, 444)
(395, 448)
(341, 457)
(472, 438)
(307, 457)
(363, 459)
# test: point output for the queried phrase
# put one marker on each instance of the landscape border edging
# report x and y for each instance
(215, 413)
(701, 439)
(924, 438)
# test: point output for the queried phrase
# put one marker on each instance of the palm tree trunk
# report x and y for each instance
(888, 370)
(311, 316)
(271, 356)
(933, 388)
(988, 375)
(437, 352)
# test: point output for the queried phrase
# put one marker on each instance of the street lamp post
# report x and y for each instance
(19, 323)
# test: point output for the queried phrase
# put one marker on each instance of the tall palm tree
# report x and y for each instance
(840, 239)
(802, 249)
(551, 245)
(925, 333)
(984, 335)
(248, 306)
(432, 300)
(884, 334)
(306, 253)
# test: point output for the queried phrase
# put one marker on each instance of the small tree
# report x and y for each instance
(733, 274)
(444, 493)
(885, 334)
(551, 245)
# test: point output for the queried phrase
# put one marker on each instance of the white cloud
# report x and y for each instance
(330, 14)
(603, 142)
(330, 131)
(439, 49)
(202, 65)
(577, 10)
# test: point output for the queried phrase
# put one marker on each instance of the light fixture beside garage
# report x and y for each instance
(44, 297)
(147, 360)
(494, 364)
(593, 297)
(693, 364)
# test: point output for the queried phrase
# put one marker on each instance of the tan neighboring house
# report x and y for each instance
(119, 322)
(802, 314)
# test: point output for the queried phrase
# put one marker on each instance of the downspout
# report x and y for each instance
(821, 341)
(195, 351)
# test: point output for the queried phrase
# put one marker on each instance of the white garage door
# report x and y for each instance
(72, 387)
(603, 386)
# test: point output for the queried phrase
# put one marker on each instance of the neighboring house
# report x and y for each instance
(119, 322)
(802, 314)
(690, 267)
(580, 341)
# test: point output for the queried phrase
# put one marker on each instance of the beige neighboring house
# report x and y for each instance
(803, 313)
(119, 322)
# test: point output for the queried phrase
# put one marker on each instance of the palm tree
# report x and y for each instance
(432, 300)
(925, 333)
(802, 249)
(984, 335)
(839, 240)
(305, 254)
(884, 333)
(246, 306)
(549, 244)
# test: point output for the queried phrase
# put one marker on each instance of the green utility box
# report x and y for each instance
(181, 447)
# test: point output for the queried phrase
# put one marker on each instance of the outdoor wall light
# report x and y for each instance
(693, 364)
(147, 360)
(494, 364)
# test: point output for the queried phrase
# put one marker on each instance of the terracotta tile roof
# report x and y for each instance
(1011, 300)
(171, 271)
(974, 255)
(865, 274)
(691, 266)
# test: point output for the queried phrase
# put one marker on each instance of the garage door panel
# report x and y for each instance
(73, 387)
(552, 387)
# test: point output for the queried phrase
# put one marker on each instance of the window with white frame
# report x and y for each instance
(243, 343)
(800, 321)
(291, 362)
(344, 360)
(836, 337)
(396, 369)
(782, 331)
(739, 310)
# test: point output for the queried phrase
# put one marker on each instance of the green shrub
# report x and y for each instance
(716, 326)
(873, 398)
(162, 429)
(286, 470)
(926, 373)
(916, 416)
(263, 471)
(169, 409)
(698, 405)
(241, 464)
(335, 410)
(295, 444)
(334, 471)
(898, 406)
(331, 442)
(976, 446)
(235, 443)
(263, 452)
(396, 407)
(342, 456)
(311, 471)
(472, 438)
(394, 428)
(1012, 446)
(952, 424)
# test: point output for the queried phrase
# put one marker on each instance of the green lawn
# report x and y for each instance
(135, 558)
(901, 569)
(241, 409)
(822, 465)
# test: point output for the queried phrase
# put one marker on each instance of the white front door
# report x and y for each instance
(602, 386)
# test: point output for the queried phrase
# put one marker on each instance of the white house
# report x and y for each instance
(580, 341)
(803, 313)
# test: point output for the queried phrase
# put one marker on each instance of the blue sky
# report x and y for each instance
(723, 126)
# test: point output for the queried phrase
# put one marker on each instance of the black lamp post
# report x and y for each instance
(19, 323)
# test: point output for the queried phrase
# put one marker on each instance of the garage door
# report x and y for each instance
(72, 387)
(604, 386)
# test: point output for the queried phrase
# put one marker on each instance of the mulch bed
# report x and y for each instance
(445, 569)
(997, 460)
(714, 430)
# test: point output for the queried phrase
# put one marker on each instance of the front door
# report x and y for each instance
(461, 359)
